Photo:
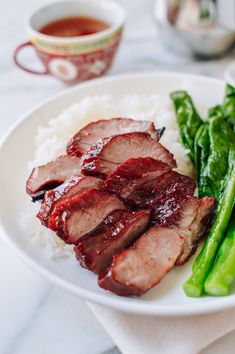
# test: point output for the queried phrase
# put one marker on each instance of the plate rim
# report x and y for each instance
(145, 309)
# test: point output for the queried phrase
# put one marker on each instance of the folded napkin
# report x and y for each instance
(134, 334)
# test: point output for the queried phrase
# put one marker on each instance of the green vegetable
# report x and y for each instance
(202, 146)
(212, 144)
(211, 147)
(219, 142)
(229, 102)
(221, 277)
(188, 120)
(227, 108)
(204, 262)
(215, 111)
(197, 149)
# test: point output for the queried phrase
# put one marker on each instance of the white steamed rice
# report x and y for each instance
(52, 139)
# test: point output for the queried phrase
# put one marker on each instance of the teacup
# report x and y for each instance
(75, 58)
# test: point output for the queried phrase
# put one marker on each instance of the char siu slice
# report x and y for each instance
(74, 217)
(192, 217)
(94, 131)
(104, 156)
(120, 228)
(71, 187)
(198, 228)
(137, 269)
(157, 191)
(144, 181)
(51, 175)
(134, 173)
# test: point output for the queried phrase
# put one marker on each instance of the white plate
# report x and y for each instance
(16, 150)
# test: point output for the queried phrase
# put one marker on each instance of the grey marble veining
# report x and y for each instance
(36, 317)
(19, 337)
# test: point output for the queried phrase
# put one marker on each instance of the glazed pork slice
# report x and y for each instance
(145, 181)
(74, 217)
(51, 175)
(71, 187)
(190, 216)
(199, 227)
(100, 129)
(139, 268)
(136, 270)
(134, 173)
(158, 190)
(104, 156)
(118, 230)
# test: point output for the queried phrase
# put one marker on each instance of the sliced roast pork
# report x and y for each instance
(94, 131)
(142, 182)
(51, 175)
(139, 268)
(118, 230)
(104, 156)
(198, 228)
(181, 223)
(71, 187)
(162, 188)
(190, 216)
(74, 217)
(133, 173)
(157, 191)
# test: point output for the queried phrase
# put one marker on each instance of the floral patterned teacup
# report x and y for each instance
(75, 58)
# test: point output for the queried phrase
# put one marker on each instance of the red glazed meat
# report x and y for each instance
(193, 230)
(74, 217)
(103, 157)
(100, 129)
(71, 187)
(137, 269)
(190, 216)
(145, 181)
(120, 228)
(157, 191)
(133, 173)
(51, 175)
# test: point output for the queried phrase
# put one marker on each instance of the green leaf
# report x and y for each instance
(204, 263)
(229, 102)
(222, 275)
(188, 120)
(203, 146)
(215, 111)
(222, 141)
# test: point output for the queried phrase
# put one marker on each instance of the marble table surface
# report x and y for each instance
(35, 316)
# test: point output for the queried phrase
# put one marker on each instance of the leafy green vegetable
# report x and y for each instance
(208, 142)
(219, 141)
(229, 102)
(197, 149)
(222, 275)
(202, 144)
(211, 147)
(227, 108)
(215, 111)
(188, 120)
(194, 285)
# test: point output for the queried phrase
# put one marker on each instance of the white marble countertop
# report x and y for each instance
(36, 317)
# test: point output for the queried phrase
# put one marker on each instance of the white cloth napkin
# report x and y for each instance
(134, 334)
